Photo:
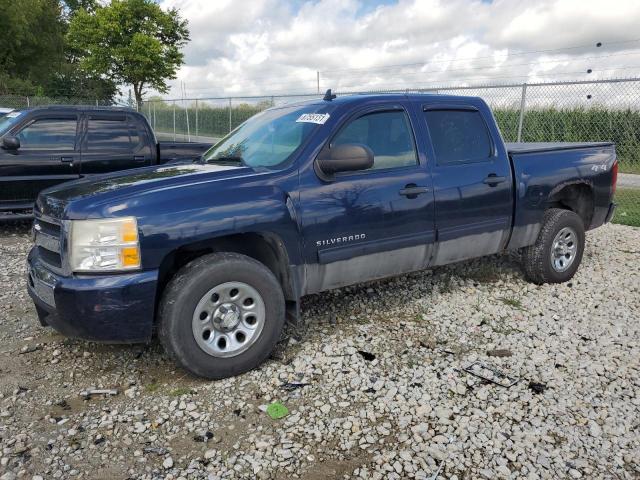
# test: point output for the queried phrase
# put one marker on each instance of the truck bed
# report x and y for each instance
(536, 147)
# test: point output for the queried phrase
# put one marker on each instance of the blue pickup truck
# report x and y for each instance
(214, 256)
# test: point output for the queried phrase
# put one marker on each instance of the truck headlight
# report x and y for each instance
(104, 245)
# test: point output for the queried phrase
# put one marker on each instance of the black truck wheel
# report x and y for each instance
(557, 253)
(221, 315)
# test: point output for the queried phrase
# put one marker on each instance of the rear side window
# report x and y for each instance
(49, 134)
(113, 133)
(387, 134)
(458, 136)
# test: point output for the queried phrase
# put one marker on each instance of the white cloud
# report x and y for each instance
(263, 47)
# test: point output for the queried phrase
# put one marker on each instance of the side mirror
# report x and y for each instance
(11, 143)
(344, 158)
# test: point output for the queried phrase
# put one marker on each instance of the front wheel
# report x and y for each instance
(221, 315)
(557, 253)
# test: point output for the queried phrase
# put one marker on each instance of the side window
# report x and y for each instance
(458, 136)
(140, 143)
(49, 134)
(109, 134)
(387, 134)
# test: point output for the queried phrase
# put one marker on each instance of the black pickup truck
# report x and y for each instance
(45, 146)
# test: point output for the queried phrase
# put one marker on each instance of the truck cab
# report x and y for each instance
(44, 146)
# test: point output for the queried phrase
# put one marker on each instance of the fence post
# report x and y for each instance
(196, 119)
(174, 120)
(186, 112)
(522, 106)
(229, 114)
(28, 105)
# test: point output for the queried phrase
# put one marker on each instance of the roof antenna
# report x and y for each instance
(328, 96)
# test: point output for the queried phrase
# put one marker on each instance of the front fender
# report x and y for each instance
(200, 219)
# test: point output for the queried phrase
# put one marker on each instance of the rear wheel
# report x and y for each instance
(557, 253)
(221, 315)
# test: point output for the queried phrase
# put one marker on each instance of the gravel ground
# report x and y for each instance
(376, 387)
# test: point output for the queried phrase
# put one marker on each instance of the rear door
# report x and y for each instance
(48, 155)
(472, 183)
(114, 141)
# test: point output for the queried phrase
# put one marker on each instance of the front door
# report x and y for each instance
(472, 183)
(48, 155)
(375, 223)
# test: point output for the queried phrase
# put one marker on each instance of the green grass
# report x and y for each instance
(630, 168)
(628, 211)
(512, 302)
(152, 387)
(179, 392)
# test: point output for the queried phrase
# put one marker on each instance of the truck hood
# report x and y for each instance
(114, 186)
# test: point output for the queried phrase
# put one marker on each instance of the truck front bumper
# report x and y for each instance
(115, 308)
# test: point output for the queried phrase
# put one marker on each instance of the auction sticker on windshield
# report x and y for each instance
(319, 118)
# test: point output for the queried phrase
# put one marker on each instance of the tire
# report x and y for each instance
(539, 260)
(221, 352)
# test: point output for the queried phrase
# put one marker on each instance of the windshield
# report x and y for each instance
(8, 120)
(267, 139)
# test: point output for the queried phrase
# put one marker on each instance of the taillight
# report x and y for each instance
(614, 177)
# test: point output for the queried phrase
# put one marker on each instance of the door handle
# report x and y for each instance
(412, 190)
(66, 159)
(492, 180)
(138, 158)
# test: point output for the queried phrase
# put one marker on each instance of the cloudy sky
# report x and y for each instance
(264, 47)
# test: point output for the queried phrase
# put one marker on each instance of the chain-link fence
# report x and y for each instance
(581, 111)
(599, 110)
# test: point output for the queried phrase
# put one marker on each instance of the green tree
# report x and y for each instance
(31, 43)
(130, 41)
(70, 80)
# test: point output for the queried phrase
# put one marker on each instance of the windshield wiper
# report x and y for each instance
(229, 159)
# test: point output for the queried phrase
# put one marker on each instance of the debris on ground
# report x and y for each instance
(110, 392)
(203, 438)
(160, 451)
(29, 349)
(368, 356)
(501, 352)
(537, 387)
(490, 374)
(291, 386)
(277, 411)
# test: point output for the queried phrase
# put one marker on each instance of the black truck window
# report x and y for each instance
(458, 136)
(110, 134)
(49, 134)
(387, 133)
(140, 140)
